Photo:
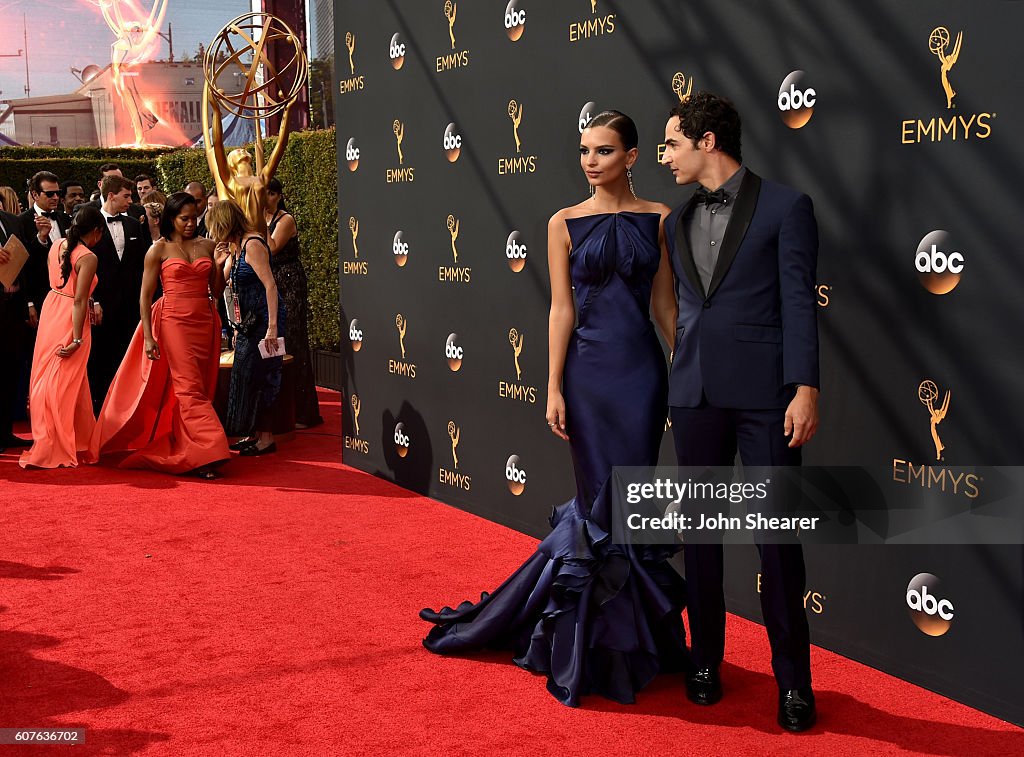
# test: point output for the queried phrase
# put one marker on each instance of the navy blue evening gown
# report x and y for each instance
(593, 616)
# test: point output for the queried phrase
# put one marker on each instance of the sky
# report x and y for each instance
(71, 33)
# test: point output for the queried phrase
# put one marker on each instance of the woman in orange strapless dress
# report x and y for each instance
(161, 402)
(60, 404)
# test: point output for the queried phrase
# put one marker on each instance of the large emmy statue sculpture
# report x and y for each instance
(241, 48)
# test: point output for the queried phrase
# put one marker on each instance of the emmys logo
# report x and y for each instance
(951, 127)
(515, 252)
(515, 476)
(355, 335)
(358, 267)
(396, 51)
(938, 267)
(399, 175)
(354, 83)
(453, 353)
(454, 273)
(451, 60)
(796, 100)
(596, 26)
(928, 393)
(823, 292)
(453, 477)
(517, 390)
(515, 20)
(813, 600)
(354, 443)
(401, 367)
(516, 163)
(587, 113)
(931, 615)
(352, 155)
(452, 143)
(400, 250)
(682, 88)
(402, 440)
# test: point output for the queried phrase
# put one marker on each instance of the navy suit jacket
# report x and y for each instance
(753, 337)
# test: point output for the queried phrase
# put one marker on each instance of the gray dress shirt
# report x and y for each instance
(705, 227)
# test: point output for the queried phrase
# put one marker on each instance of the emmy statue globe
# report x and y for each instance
(242, 46)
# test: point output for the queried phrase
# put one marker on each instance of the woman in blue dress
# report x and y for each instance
(593, 616)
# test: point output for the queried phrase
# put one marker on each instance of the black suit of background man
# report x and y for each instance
(35, 273)
(117, 292)
(13, 334)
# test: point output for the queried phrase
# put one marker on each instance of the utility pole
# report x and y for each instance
(28, 86)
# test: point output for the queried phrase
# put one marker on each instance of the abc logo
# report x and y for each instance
(400, 250)
(453, 352)
(452, 143)
(938, 266)
(352, 155)
(589, 111)
(515, 476)
(396, 51)
(931, 613)
(515, 20)
(515, 251)
(796, 101)
(401, 440)
(355, 335)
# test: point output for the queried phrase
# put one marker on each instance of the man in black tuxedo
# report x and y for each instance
(197, 190)
(744, 372)
(41, 226)
(136, 212)
(120, 256)
(13, 337)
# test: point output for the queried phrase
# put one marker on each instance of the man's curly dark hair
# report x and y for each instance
(703, 112)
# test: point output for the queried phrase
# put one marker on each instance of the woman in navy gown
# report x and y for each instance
(593, 616)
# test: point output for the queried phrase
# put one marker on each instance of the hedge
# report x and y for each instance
(309, 173)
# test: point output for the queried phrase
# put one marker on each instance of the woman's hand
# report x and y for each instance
(270, 340)
(152, 349)
(556, 415)
(221, 253)
(70, 349)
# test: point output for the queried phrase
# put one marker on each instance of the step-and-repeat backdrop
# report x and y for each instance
(458, 127)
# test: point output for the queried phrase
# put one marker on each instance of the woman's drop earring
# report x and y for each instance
(629, 178)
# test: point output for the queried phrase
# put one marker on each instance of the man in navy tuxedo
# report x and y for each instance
(744, 371)
(121, 255)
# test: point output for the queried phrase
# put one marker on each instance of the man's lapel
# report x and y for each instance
(739, 220)
(684, 253)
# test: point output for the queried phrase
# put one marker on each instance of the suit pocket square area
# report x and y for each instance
(744, 332)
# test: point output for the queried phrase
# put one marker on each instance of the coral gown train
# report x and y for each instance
(162, 409)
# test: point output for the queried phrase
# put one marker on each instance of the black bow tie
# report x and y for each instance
(116, 219)
(49, 213)
(718, 197)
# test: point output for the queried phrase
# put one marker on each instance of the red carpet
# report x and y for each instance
(274, 613)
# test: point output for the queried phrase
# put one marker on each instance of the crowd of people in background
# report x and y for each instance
(114, 330)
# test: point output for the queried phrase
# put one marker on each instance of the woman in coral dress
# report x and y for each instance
(60, 403)
(161, 402)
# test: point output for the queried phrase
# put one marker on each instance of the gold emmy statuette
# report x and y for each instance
(401, 324)
(516, 340)
(353, 226)
(453, 229)
(593, 6)
(453, 434)
(928, 392)
(449, 12)
(681, 86)
(515, 112)
(136, 42)
(242, 47)
(356, 407)
(399, 128)
(350, 43)
(938, 41)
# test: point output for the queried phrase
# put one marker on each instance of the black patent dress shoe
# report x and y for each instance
(253, 450)
(796, 709)
(15, 441)
(241, 444)
(704, 686)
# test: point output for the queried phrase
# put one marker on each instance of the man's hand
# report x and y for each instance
(43, 226)
(802, 416)
(97, 314)
(5, 256)
(33, 316)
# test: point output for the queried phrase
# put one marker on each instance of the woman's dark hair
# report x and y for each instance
(175, 204)
(620, 123)
(88, 218)
(703, 112)
(275, 186)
